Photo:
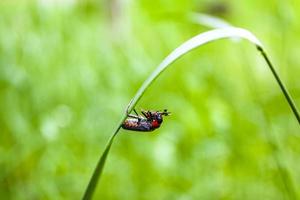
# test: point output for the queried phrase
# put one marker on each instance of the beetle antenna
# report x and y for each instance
(165, 112)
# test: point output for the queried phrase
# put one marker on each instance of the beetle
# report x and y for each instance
(150, 120)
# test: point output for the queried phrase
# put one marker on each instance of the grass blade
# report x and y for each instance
(281, 85)
(197, 41)
(99, 168)
(208, 20)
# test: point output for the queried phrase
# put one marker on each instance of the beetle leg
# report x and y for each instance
(144, 113)
(135, 112)
(139, 117)
(128, 106)
(133, 116)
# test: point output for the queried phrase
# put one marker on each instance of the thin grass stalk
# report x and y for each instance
(285, 177)
(197, 41)
(281, 85)
(287, 181)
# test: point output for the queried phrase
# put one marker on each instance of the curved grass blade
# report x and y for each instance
(204, 38)
(197, 41)
(208, 20)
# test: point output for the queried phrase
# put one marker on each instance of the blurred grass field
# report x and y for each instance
(68, 70)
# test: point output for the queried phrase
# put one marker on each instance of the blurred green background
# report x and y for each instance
(69, 68)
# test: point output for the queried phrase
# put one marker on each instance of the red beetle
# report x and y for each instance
(149, 122)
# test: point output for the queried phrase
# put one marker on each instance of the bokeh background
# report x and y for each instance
(69, 68)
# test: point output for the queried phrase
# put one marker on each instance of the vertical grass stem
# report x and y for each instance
(281, 85)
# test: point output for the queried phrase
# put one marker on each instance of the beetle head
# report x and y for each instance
(159, 115)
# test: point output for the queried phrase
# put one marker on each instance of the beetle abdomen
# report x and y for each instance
(136, 125)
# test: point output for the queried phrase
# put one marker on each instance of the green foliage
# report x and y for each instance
(67, 72)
